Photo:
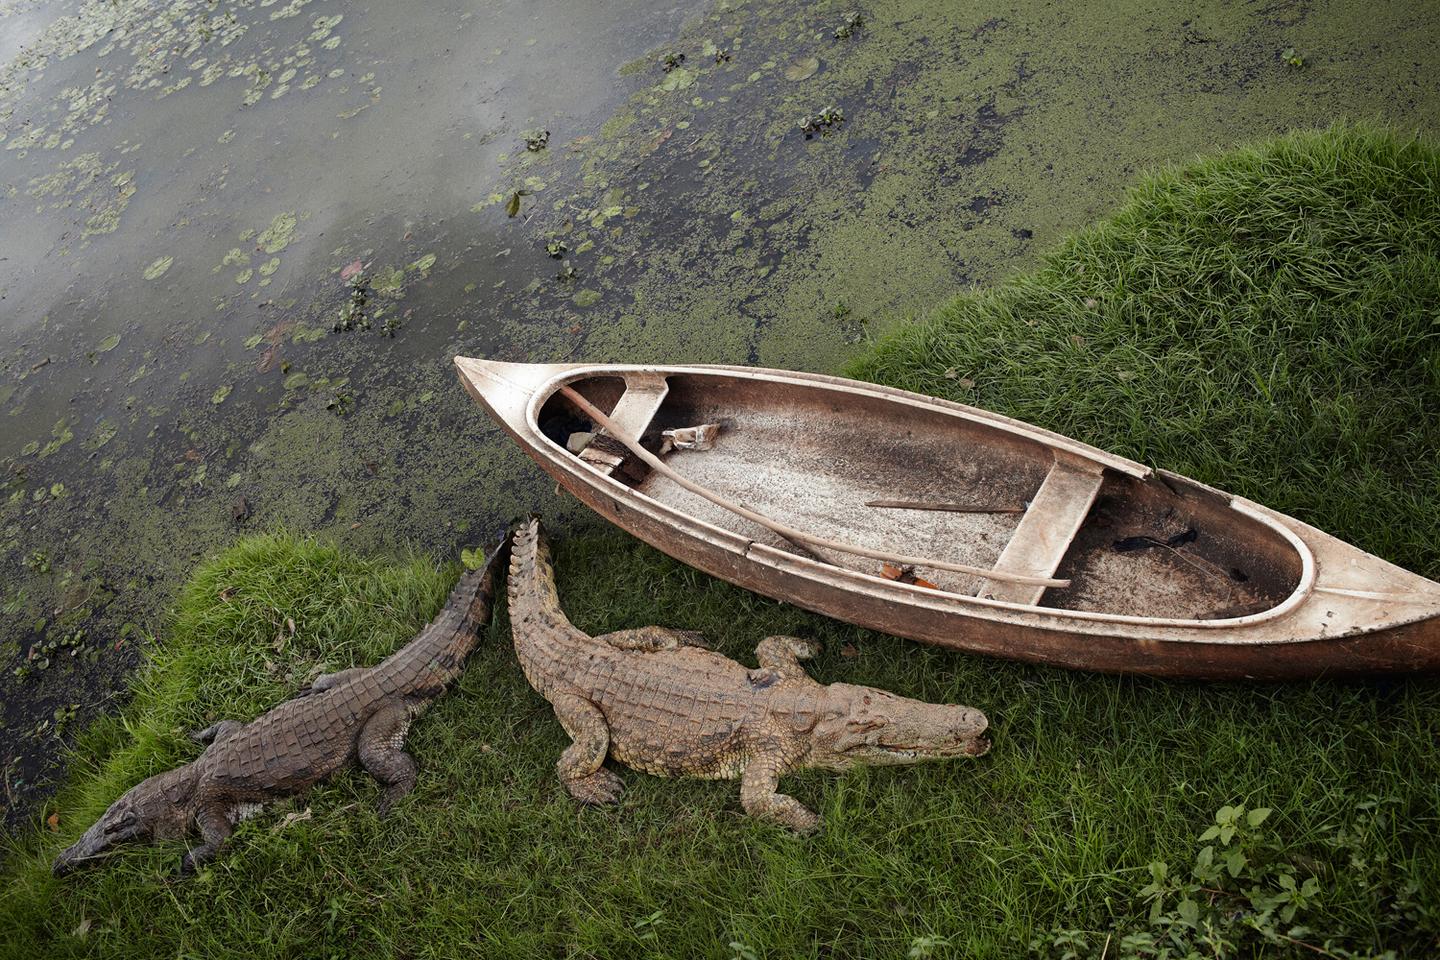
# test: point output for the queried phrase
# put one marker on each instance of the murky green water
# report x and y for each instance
(185, 190)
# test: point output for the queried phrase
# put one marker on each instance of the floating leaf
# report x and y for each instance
(424, 264)
(802, 69)
(389, 282)
(157, 269)
(677, 79)
(351, 269)
(109, 343)
(278, 235)
(221, 392)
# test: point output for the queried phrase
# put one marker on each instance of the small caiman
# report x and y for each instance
(361, 714)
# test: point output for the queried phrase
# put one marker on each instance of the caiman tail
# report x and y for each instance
(445, 643)
(532, 579)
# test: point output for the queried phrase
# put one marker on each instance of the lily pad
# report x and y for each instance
(389, 282)
(157, 269)
(802, 69)
(278, 235)
(677, 79)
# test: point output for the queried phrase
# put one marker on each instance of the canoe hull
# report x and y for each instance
(1285, 647)
(1410, 647)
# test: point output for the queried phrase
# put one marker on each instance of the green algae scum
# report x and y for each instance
(1096, 786)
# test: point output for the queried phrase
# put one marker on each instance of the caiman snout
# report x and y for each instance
(144, 812)
(875, 727)
(96, 842)
(939, 730)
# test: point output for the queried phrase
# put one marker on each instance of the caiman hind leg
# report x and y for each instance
(760, 796)
(651, 639)
(215, 829)
(581, 766)
(216, 732)
(783, 654)
(327, 680)
(381, 750)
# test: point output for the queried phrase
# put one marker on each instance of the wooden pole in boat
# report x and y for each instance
(786, 531)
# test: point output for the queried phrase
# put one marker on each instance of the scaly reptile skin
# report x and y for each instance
(358, 714)
(655, 700)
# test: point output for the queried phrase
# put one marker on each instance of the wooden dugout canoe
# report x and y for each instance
(1084, 559)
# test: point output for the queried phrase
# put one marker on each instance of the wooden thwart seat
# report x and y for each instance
(1039, 543)
(644, 393)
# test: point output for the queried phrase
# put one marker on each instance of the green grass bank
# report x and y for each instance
(1268, 320)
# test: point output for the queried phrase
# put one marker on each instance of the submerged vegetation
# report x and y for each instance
(1263, 320)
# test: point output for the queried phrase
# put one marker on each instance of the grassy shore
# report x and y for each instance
(1265, 320)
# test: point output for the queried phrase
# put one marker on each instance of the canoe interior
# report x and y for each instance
(813, 457)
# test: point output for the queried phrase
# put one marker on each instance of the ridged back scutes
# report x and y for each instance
(531, 587)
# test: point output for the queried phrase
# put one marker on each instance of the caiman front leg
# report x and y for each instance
(760, 796)
(581, 766)
(783, 655)
(215, 829)
(651, 639)
(381, 750)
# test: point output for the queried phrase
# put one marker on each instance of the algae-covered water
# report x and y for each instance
(240, 241)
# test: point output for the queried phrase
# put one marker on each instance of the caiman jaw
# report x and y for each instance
(973, 747)
(95, 844)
